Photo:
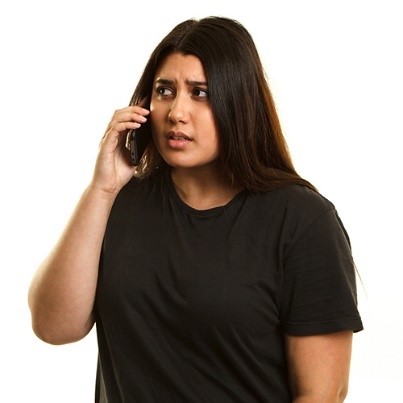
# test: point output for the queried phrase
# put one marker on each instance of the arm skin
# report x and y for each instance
(319, 366)
(62, 293)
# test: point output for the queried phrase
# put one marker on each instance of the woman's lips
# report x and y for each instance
(178, 140)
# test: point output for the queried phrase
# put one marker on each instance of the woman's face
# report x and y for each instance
(183, 126)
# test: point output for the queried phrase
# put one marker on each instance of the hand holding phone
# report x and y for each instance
(137, 142)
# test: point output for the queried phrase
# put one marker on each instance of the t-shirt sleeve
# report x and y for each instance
(318, 293)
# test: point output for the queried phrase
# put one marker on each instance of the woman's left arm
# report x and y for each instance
(319, 366)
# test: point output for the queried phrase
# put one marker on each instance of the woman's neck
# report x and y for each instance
(203, 189)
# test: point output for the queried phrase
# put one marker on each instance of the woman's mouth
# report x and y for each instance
(178, 140)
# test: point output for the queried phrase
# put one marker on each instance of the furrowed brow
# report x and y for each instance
(196, 83)
(193, 83)
(164, 81)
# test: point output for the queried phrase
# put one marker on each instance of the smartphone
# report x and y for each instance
(137, 142)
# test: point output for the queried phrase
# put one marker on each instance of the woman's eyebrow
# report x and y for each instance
(196, 83)
(188, 82)
(163, 81)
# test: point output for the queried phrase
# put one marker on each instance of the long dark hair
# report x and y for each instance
(253, 152)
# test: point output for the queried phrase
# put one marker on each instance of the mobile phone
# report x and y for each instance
(137, 142)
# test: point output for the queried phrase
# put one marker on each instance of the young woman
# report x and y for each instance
(212, 270)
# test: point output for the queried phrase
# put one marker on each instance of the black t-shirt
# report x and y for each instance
(192, 305)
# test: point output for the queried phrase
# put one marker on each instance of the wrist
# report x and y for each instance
(100, 194)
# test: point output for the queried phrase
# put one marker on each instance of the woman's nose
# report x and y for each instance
(179, 110)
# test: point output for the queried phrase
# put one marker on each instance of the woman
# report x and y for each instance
(213, 271)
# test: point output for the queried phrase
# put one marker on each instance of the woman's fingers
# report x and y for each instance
(135, 114)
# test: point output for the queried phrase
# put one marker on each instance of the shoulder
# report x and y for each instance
(305, 204)
(294, 200)
(292, 210)
(137, 194)
(139, 186)
(298, 195)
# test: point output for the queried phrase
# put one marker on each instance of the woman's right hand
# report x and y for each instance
(113, 168)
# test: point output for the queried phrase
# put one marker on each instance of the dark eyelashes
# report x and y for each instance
(166, 91)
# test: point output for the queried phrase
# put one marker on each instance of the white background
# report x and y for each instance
(335, 70)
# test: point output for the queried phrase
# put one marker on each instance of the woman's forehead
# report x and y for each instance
(178, 66)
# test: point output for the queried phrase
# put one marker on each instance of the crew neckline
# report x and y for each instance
(239, 198)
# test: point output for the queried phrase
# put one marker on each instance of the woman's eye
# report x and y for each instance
(164, 91)
(199, 93)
